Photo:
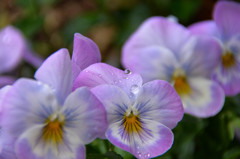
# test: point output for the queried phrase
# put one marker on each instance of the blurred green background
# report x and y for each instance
(49, 25)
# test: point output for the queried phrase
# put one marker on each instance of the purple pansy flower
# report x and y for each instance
(46, 119)
(163, 49)
(140, 117)
(226, 31)
(13, 48)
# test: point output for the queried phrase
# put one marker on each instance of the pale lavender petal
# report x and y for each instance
(84, 115)
(114, 99)
(158, 140)
(156, 31)
(3, 92)
(85, 53)
(6, 145)
(56, 71)
(226, 16)
(205, 28)
(229, 79)
(201, 57)
(12, 46)
(6, 80)
(158, 101)
(101, 73)
(205, 100)
(27, 103)
(153, 62)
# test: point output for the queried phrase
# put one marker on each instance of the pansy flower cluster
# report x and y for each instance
(170, 70)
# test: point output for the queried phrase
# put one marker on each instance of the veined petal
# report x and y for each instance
(153, 62)
(226, 16)
(229, 79)
(31, 146)
(84, 115)
(206, 98)
(56, 71)
(114, 99)
(101, 73)
(158, 101)
(156, 31)
(202, 56)
(85, 53)
(12, 46)
(205, 28)
(155, 140)
(27, 103)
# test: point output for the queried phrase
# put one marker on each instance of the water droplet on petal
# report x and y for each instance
(127, 71)
(99, 75)
(120, 81)
(86, 71)
(134, 89)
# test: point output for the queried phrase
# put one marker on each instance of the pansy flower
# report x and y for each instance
(140, 117)
(226, 31)
(13, 48)
(49, 121)
(163, 49)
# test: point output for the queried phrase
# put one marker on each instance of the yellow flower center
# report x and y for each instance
(228, 60)
(180, 82)
(53, 131)
(132, 123)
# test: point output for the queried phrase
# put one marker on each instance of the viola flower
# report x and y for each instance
(140, 117)
(13, 48)
(50, 121)
(163, 49)
(225, 30)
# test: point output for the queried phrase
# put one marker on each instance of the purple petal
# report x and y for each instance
(56, 71)
(156, 31)
(28, 101)
(85, 115)
(158, 142)
(153, 63)
(206, 99)
(85, 53)
(101, 73)
(12, 46)
(159, 101)
(205, 28)
(202, 56)
(226, 16)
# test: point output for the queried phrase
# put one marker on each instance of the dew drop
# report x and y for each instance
(99, 75)
(134, 89)
(127, 71)
(120, 81)
(86, 71)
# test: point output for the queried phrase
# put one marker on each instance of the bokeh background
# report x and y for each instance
(49, 25)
